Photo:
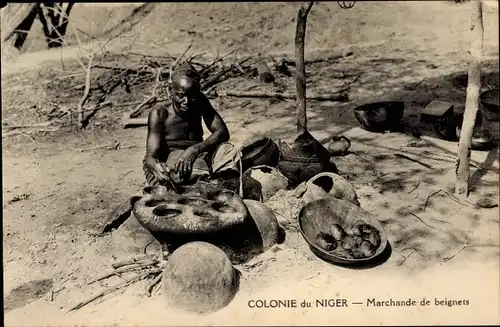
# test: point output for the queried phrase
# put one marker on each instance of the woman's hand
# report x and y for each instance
(184, 164)
(160, 170)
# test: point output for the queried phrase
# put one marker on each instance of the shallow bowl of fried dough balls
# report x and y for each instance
(341, 232)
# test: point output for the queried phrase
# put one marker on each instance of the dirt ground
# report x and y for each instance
(59, 187)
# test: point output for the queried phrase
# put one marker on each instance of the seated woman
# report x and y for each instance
(175, 144)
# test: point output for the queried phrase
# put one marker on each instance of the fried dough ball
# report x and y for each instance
(326, 242)
(337, 232)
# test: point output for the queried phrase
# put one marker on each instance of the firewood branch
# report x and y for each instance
(341, 96)
(86, 91)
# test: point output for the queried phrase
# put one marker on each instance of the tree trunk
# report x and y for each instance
(300, 80)
(20, 32)
(12, 16)
(472, 100)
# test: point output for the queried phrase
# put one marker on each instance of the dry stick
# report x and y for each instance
(240, 155)
(414, 160)
(215, 79)
(44, 124)
(17, 132)
(463, 202)
(300, 83)
(176, 62)
(416, 186)
(123, 269)
(129, 118)
(427, 200)
(149, 101)
(405, 257)
(86, 91)
(421, 220)
(466, 244)
(440, 221)
(155, 282)
(340, 97)
(127, 262)
(101, 99)
(115, 288)
(471, 104)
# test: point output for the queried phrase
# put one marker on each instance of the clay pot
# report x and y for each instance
(266, 223)
(303, 159)
(199, 278)
(258, 151)
(339, 145)
(328, 185)
(490, 104)
(262, 182)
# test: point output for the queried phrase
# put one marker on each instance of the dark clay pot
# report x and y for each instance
(258, 151)
(303, 159)
(489, 104)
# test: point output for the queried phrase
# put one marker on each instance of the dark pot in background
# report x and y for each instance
(380, 116)
(489, 101)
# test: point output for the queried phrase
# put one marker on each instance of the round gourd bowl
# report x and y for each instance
(199, 278)
(380, 116)
(490, 103)
(317, 217)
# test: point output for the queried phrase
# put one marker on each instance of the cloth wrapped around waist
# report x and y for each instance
(223, 158)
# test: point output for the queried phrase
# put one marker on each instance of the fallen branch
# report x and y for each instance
(127, 262)
(180, 57)
(405, 258)
(135, 122)
(18, 132)
(148, 101)
(135, 266)
(340, 97)
(215, 79)
(466, 244)
(416, 186)
(421, 220)
(341, 54)
(115, 288)
(414, 160)
(86, 92)
(44, 124)
(463, 202)
(156, 281)
(428, 198)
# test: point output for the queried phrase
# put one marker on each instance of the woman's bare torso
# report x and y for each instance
(189, 128)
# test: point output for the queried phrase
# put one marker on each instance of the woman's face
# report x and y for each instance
(184, 92)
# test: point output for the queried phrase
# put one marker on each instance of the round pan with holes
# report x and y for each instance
(190, 215)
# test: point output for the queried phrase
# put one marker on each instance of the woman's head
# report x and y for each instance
(185, 86)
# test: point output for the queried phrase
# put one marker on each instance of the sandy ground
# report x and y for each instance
(58, 189)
